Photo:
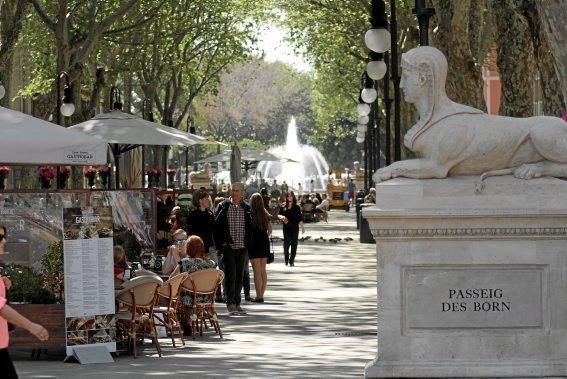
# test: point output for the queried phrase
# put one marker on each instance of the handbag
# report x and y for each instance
(271, 256)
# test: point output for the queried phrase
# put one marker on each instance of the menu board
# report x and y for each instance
(89, 277)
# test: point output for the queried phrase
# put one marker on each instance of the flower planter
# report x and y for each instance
(51, 316)
(104, 176)
(62, 181)
(44, 183)
(171, 179)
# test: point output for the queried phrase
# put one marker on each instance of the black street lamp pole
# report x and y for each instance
(116, 104)
(423, 15)
(147, 114)
(396, 80)
(64, 107)
(387, 109)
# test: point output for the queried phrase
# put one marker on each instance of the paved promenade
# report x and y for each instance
(318, 321)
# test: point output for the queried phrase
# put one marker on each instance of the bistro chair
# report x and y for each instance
(138, 295)
(202, 286)
(166, 315)
(308, 212)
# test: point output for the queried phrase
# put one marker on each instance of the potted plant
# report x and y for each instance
(171, 176)
(46, 174)
(39, 297)
(90, 173)
(153, 176)
(64, 172)
(104, 175)
(4, 171)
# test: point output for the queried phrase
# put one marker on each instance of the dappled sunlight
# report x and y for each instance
(318, 320)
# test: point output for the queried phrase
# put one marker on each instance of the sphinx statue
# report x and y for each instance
(455, 139)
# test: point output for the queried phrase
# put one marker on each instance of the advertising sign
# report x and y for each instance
(89, 277)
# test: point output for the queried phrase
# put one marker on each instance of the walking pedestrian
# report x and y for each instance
(292, 212)
(233, 235)
(260, 247)
(8, 313)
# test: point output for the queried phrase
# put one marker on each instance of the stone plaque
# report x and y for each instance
(473, 297)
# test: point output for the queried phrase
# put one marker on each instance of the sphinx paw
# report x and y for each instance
(382, 175)
(528, 171)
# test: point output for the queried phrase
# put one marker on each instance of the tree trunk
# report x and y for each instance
(553, 101)
(515, 59)
(552, 17)
(455, 19)
(12, 14)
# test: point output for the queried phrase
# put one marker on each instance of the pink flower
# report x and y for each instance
(4, 170)
(64, 170)
(47, 172)
(564, 117)
(89, 172)
(103, 169)
(153, 171)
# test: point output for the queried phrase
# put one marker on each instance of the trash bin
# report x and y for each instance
(365, 234)
(358, 201)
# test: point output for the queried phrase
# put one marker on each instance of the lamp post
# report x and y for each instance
(396, 79)
(378, 40)
(147, 114)
(193, 130)
(65, 106)
(116, 104)
(423, 15)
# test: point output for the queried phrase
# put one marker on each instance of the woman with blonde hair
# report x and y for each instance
(260, 246)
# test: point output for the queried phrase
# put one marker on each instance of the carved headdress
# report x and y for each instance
(431, 62)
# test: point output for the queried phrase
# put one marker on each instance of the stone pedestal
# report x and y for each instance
(471, 285)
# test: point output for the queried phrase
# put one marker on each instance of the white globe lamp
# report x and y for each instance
(362, 128)
(67, 109)
(378, 40)
(363, 109)
(363, 120)
(369, 95)
(3, 92)
(376, 69)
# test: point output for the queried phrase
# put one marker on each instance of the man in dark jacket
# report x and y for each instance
(233, 235)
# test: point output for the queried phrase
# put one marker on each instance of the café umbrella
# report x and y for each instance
(25, 139)
(125, 132)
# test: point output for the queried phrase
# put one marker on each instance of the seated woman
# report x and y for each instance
(120, 265)
(195, 261)
(195, 258)
(176, 252)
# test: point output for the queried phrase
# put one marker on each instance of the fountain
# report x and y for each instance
(310, 163)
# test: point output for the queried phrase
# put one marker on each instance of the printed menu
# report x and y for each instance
(89, 277)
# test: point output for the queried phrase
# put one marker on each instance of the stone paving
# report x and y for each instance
(318, 321)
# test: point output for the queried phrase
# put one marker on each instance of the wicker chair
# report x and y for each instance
(139, 295)
(166, 315)
(202, 286)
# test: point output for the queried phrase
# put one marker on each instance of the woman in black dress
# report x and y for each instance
(260, 247)
(292, 212)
